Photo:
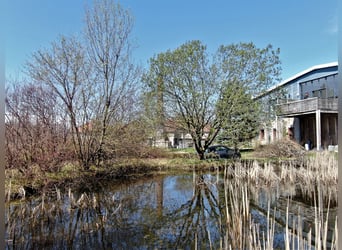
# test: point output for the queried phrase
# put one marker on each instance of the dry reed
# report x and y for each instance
(316, 176)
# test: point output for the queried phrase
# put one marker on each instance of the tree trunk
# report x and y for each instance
(199, 149)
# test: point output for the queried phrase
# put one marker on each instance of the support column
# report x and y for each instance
(277, 130)
(336, 130)
(318, 130)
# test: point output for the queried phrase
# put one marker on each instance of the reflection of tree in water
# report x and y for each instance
(194, 219)
(108, 219)
(216, 216)
(212, 217)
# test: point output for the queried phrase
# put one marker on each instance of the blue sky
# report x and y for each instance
(305, 30)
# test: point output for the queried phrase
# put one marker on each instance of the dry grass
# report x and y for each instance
(280, 149)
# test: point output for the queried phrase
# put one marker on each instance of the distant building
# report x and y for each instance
(307, 111)
(171, 135)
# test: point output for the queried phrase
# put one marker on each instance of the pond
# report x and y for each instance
(198, 210)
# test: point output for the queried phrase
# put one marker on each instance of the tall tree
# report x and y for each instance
(93, 77)
(107, 33)
(210, 94)
(246, 72)
(153, 99)
(189, 91)
(239, 113)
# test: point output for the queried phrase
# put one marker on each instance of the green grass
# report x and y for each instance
(185, 150)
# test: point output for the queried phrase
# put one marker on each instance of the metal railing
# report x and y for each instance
(288, 107)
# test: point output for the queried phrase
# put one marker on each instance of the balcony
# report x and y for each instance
(310, 105)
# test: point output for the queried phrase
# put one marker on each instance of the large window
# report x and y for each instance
(321, 93)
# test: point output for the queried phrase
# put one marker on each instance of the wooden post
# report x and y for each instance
(318, 130)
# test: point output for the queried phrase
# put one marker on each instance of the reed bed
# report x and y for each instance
(315, 177)
(318, 235)
(242, 232)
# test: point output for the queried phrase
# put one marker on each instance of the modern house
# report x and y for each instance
(307, 109)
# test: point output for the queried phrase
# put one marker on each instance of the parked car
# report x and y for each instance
(220, 151)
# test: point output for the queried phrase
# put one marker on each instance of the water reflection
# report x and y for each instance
(188, 211)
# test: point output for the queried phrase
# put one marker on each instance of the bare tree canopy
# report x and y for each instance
(64, 70)
(35, 133)
(107, 33)
(93, 77)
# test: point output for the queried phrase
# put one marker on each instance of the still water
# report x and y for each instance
(182, 211)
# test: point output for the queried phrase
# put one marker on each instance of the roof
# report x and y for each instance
(303, 76)
(318, 75)
(172, 125)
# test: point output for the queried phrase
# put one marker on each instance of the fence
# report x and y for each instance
(287, 107)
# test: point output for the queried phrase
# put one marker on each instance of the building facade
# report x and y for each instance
(171, 135)
(307, 111)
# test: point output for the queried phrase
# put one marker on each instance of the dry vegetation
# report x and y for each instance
(315, 179)
(283, 148)
(317, 174)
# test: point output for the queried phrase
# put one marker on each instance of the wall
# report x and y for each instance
(276, 131)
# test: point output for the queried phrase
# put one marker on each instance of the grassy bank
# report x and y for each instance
(69, 174)
(18, 184)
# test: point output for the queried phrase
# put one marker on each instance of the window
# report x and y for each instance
(320, 93)
(262, 134)
(331, 93)
(290, 133)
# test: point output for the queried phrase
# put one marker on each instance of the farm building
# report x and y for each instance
(307, 109)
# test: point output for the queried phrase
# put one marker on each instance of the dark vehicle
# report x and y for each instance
(220, 151)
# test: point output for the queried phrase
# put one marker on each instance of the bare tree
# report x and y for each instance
(34, 128)
(108, 29)
(94, 79)
(65, 70)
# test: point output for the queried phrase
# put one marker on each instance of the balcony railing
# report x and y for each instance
(286, 107)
